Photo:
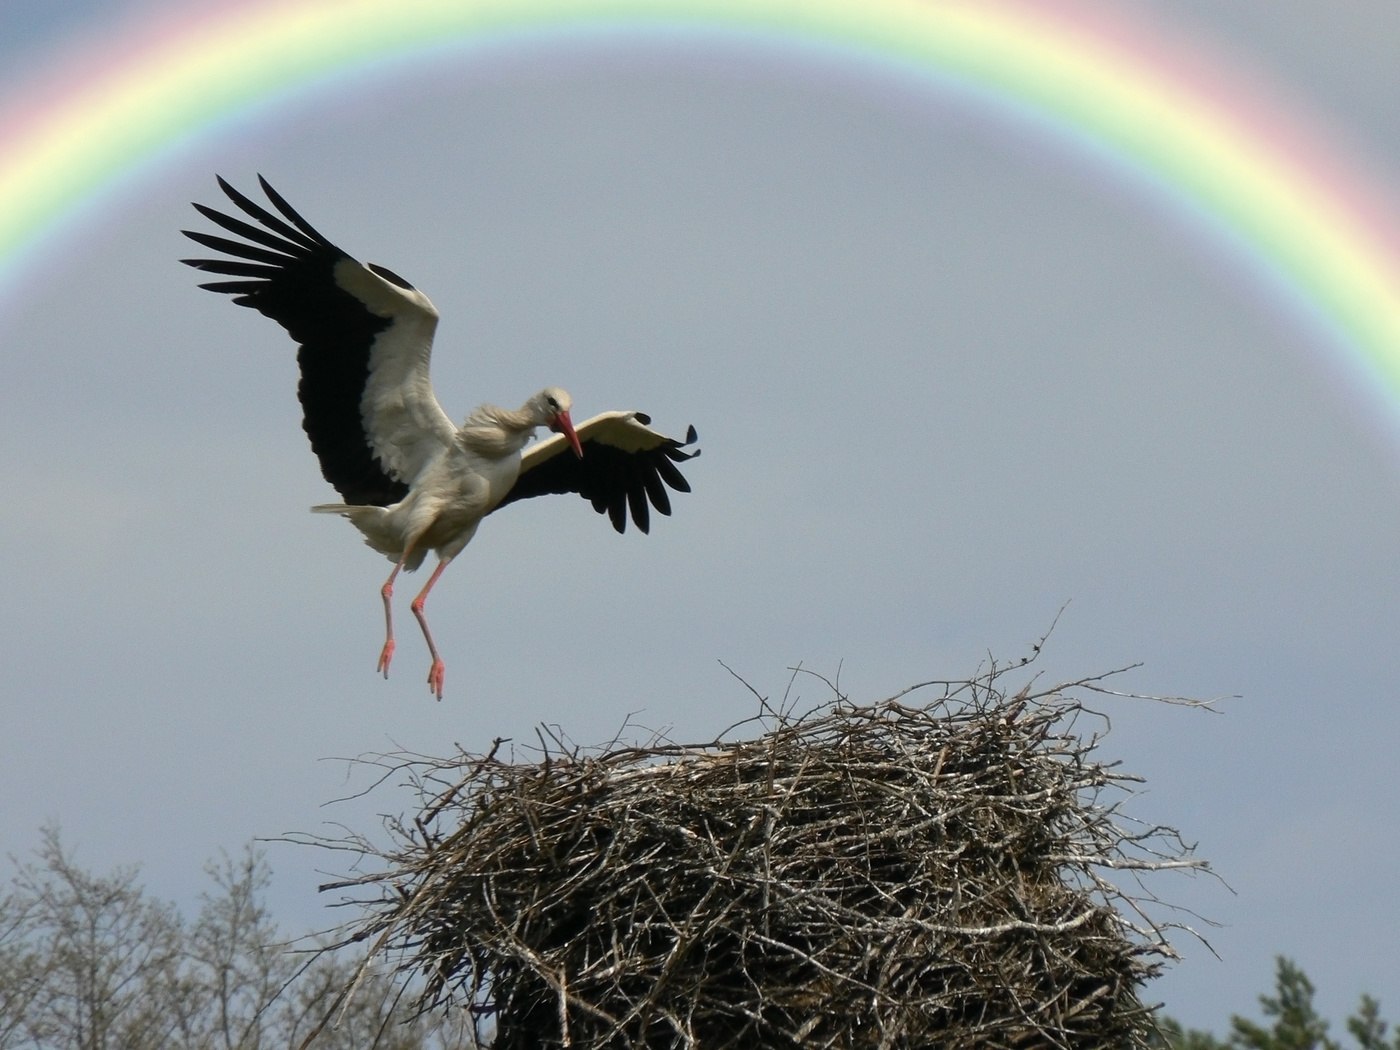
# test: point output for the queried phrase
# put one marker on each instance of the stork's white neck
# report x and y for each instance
(497, 432)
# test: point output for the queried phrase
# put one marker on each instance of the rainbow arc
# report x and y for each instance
(1214, 146)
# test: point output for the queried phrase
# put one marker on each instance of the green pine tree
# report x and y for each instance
(1291, 1022)
(1296, 1025)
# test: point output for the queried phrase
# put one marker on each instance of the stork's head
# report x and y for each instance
(551, 407)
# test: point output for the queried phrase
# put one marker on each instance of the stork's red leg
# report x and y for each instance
(387, 593)
(438, 671)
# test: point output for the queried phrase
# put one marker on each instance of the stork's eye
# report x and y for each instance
(552, 403)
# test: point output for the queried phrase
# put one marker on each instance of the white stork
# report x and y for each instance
(413, 481)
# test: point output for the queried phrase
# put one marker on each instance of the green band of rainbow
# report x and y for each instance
(1153, 106)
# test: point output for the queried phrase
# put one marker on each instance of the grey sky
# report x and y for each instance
(947, 377)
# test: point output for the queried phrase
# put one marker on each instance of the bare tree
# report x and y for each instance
(231, 950)
(20, 974)
(93, 962)
(105, 958)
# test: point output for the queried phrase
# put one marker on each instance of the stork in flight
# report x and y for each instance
(411, 480)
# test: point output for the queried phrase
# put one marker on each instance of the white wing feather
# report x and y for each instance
(622, 430)
(406, 426)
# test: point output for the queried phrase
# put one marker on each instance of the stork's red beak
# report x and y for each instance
(562, 424)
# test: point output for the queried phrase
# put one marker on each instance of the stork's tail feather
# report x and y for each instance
(379, 533)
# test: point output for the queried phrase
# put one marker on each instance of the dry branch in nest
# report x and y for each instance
(875, 876)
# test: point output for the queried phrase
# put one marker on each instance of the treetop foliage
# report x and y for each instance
(1291, 1022)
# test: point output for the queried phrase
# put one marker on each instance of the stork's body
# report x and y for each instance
(412, 481)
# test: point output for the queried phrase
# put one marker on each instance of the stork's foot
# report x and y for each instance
(385, 655)
(436, 674)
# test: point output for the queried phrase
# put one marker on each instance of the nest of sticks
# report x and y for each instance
(859, 876)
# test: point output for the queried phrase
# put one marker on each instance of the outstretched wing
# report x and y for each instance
(366, 338)
(625, 465)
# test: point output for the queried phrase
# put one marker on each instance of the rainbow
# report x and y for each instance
(1216, 148)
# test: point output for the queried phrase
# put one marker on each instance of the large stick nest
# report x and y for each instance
(872, 876)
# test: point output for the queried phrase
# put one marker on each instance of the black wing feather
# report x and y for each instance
(245, 251)
(247, 230)
(613, 480)
(656, 492)
(292, 271)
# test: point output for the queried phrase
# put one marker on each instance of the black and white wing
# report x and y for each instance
(366, 338)
(625, 466)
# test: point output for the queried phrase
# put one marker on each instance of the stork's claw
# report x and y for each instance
(385, 655)
(436, 674)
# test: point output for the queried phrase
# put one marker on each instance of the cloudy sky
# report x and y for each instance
(948, 377)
